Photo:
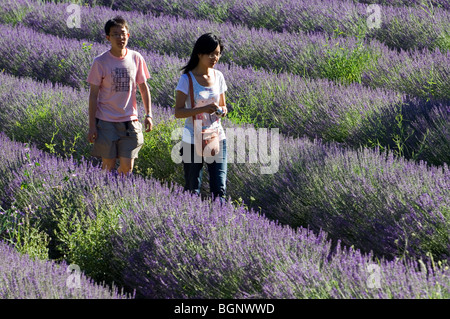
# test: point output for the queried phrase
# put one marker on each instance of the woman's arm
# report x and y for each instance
(182, 112)
(223, 104)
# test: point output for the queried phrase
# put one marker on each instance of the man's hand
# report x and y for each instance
(148, 124)
(147, 100)
(92, 135)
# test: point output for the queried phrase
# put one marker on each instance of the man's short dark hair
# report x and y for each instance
(117, 21)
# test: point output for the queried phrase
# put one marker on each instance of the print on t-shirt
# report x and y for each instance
(121, 80)
(204, 98)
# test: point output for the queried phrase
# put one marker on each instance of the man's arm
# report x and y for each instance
(147, 100)
(93, 95)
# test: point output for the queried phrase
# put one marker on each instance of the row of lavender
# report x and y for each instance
(25, 278)
(402, 27)
(175, 254)
(353, 114)
(316, 55)
(323, 186)
(419, 3)
(166, 243)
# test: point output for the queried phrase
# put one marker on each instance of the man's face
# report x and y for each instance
(118, 36)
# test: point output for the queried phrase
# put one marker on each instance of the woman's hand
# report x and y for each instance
(213, 107)
(225, 110)
(210, 108)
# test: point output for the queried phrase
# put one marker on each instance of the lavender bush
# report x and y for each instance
(316, 108)
(185, 259)
(328, 187)
(403, 71)
(315, 55)
(246, 182)
(323, 186)
(172, 244)
(424, 25)
(25, 278)
(54, 118)
(16, 230)
(419, 3)
(68, 202)
(406, 129)
(413, 29)
(322, 109)
(245, 47)
(433, 151)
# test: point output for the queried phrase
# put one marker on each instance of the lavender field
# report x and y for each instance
(359, 206)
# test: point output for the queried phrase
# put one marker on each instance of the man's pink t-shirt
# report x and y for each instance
(118, 79)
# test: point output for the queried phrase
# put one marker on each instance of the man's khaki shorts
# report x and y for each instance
(118, 139)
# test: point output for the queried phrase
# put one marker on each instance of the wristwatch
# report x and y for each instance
(148, 115)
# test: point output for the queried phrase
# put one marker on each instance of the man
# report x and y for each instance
(114, 126)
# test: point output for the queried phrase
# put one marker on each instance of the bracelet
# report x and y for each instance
(148, 115)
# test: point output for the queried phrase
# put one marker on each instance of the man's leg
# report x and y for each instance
(130, 142)
(126, 165)
(108, 164)
(105, 146)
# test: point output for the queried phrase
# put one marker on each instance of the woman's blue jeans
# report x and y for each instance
(193, 170)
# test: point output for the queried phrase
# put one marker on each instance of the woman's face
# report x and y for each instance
(210, 59)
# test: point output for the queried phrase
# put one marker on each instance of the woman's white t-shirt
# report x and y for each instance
(203, 95)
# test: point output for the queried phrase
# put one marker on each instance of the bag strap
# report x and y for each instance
(191, 94)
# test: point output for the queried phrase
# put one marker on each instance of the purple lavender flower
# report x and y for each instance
(174, 244)
(25, 278)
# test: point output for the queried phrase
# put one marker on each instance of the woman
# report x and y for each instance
(209, 95)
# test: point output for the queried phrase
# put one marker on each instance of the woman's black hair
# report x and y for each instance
(206, 44)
